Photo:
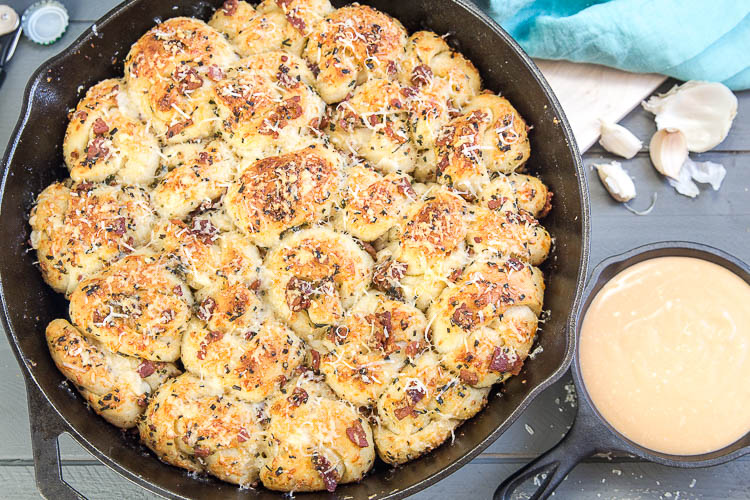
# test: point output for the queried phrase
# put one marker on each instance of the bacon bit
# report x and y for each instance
(413, 348)
(477, 239)
(201, 452)
(281, 379)
(95, 149)
(391, 68)
(416, 394)
(495, 204)
(146, 368)
(206, 309)
(230, 7)
(468, 377)
(404, 187)
(255, 285)
(285, 80)
(188, 79)
(326, 471)
(100, 127)
(463, 317)
(291, 109)
(315, 355)
(83, 187)
(455, 275)
(514, 264)
(203, 230)
(387, 275)
(442, 165)
(368, 248)
(395, 103)
(299, 396)
(357, 435)
(547, 205)
(142, 401)
(405, 411)
(98, 316)
(242, 436)
(215, 73)
(374, 120)
(177, 290)
(298, 293)
(203, 158)
(214, 336)
(81, 115)
(119, 226)
(74, 155)
(177, 128)
(409, 92)
(298, 23)
(314, 68)
(502, 362)
(421, 75)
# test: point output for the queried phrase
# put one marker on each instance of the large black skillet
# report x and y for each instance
(590, 432)
(33, 160)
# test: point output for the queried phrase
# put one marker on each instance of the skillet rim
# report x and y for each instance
(477, 448)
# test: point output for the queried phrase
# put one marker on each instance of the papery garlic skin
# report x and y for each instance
(668, 150)
(706, 172)
(618, 140)
(703, 111)
(616, 180)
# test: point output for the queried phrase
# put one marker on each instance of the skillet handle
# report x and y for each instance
(45, 429)
(585, 437)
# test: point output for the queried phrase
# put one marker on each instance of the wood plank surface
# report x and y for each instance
(719, 218)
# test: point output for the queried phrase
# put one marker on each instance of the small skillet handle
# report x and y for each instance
(45, 429)
(586, 437)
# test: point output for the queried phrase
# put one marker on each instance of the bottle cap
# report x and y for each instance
(45, 22)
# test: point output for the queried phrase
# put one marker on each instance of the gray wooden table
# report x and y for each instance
(718, 218)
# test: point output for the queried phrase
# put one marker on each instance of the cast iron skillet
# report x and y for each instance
(590, 432)
(33, 160)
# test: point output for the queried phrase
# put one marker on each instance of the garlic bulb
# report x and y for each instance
(668, 150)
(619, 140)
(702, 111)
(616, 180)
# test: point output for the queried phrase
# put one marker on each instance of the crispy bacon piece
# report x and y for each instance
(204, 231)
(96, 150)
(119, 226)
(495, 204)
(503, 361)
(357, 435)
(416, 394)
(404, 187)
(404, 411)
(146, 368)
(514, 264)
(177, 128)
(547, 205)
(315, 365)
(298, 294)
(299, 397)
(468, 377)
(100, 127)
(215, 73)
(387, 276)
(206, 309)
(201, 452)
(327, 472)
(421, 75)
(463, 317)
(230, 7)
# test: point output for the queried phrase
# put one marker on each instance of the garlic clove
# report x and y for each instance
(619, 140)
(703, 111)
(668, 150)
(616, 180)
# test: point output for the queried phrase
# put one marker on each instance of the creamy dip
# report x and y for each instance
(665, 355)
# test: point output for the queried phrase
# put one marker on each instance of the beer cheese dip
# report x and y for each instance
(665, 355)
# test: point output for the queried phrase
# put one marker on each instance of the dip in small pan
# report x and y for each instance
(665, 355)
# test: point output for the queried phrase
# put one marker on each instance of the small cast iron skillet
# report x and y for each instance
(590, 432)
(33, 160)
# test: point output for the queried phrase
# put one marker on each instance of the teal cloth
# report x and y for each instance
(687, 39)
